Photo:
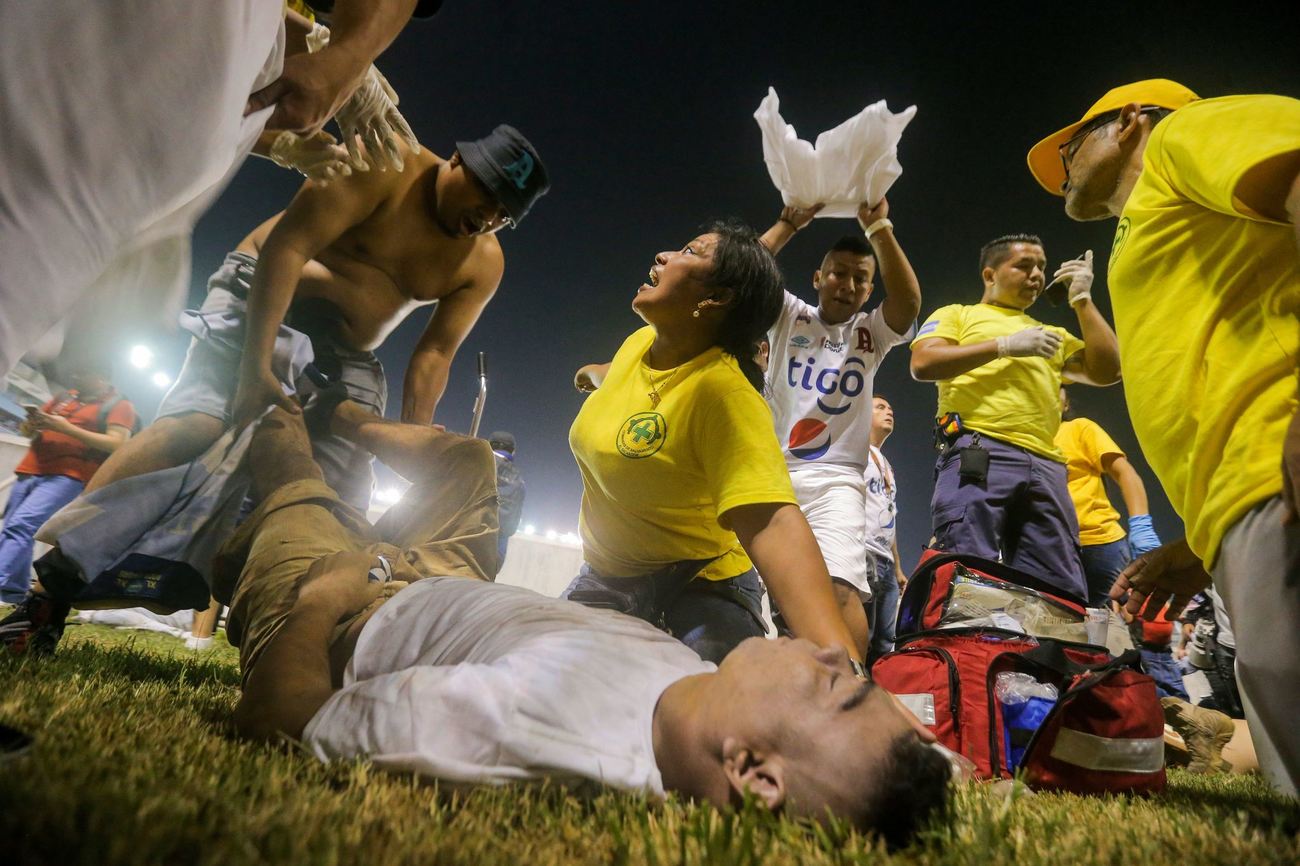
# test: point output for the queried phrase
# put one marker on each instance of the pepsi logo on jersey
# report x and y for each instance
(806, 439)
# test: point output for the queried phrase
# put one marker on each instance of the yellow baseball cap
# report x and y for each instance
(1044, 157)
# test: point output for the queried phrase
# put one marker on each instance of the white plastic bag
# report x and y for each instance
(853, 163)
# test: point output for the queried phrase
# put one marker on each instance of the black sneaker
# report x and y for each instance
(34, 626)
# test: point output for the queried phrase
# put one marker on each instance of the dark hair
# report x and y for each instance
(914, 790)
(998, 250)
(744, 266)
(856, 244)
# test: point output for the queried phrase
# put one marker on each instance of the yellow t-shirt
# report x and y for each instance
(1016, 400)
(1085, 446)
(657, 479)
(1206, 295)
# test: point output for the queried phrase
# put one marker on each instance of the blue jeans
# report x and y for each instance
(1102, 563)
(1161, 667)
(32, 500)
(709, 616)
(882, 610)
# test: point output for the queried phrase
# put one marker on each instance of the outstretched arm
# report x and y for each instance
(1097, 363)
(779, 541)
(792, 219)
(315, 218)
(311, 87)
(590, 376)
(1131, 488)
(902, 301)
(426, 372)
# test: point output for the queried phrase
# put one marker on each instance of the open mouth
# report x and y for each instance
(653, 277)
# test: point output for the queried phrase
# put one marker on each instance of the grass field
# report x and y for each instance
(134, 762)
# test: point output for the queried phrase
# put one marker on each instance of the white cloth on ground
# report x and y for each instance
(831, 498)
(122, 124)
(853, 163)
(882, 513)
(820, 380)
(483, 683)
(174, 624)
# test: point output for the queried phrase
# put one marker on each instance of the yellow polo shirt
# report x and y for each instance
(1206, 295)
(1086, 447)
(658, 479)
(1016, 400)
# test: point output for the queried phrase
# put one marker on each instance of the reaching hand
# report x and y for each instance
(584, 380)
(1291, 471)
(317, 157)
(868, 213)
(309, 91)
(1035, 342)
(1171, 569)
(255, 393)
(798, 217)
(53, 423)
(1077, 275)
(371, 116)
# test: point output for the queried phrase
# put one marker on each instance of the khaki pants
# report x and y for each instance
(445, 526)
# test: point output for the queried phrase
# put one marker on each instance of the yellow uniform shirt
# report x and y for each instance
(1016, 400)
(656, 479)
(1206, 295)
(1086, 446)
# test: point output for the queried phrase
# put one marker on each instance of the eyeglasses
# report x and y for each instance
(1072, 145)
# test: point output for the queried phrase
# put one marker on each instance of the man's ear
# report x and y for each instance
(817, 279)
(763, 775)
(1129, 122)
(987, 276)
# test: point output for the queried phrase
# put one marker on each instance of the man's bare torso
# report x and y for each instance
(395, 260)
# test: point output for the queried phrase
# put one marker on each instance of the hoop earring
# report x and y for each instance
(695, 314)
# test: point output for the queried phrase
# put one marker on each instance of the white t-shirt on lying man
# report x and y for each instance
(476, 682)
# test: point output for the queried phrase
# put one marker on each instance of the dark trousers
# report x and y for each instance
(1161, 667)
(1021, 513)
(709, 616)
(1102, 563)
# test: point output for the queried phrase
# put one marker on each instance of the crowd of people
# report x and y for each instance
(732, 446)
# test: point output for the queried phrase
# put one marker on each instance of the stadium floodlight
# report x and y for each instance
(530, 530)
(140, 356)
(389, 495)
(161, 379)
(551, 535)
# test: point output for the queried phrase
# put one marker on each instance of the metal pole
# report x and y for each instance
(482, 393)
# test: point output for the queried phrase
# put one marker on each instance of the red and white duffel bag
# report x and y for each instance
(963, 622)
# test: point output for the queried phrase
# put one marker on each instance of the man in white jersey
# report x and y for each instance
(884, 571)
(365, 650)
(823, 362)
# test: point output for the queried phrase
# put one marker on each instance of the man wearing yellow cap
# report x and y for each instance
(1205, 285)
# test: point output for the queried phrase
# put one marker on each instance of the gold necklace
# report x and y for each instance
(654, 396)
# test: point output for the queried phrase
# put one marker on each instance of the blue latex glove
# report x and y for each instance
(1142, 534)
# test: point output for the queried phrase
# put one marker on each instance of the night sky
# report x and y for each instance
(643, 115)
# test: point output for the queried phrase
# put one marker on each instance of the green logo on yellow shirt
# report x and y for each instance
(642, 435)
(1121, 235)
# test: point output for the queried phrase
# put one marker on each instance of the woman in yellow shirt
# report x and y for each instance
(685, 490)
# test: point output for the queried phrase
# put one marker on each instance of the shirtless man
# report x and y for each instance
(338, 270)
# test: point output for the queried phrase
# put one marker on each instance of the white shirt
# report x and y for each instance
(477, 682)
(881, 511)
(820, 380)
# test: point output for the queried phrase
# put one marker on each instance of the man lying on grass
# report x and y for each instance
(394, 651)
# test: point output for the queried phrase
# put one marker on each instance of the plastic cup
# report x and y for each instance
(1098, 625)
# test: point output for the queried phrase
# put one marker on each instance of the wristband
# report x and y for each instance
(790, 223)
(882, 223)
(1003, 347)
